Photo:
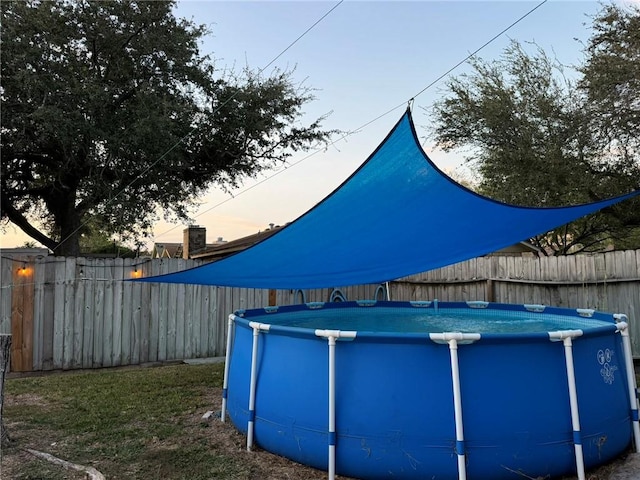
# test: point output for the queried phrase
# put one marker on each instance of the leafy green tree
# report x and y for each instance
(95, 240)
(529, 131)
(110, 112)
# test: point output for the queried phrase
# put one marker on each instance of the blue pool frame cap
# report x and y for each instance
(397, 197)
(602, 321)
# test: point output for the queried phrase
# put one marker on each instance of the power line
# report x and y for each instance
(352, 132)
(461, 62)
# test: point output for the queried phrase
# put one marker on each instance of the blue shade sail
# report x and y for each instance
(397, 215)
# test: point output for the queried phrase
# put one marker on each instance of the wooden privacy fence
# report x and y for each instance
(608, 282)
(68, 313)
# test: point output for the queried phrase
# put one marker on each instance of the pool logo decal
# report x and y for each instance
(607, 371)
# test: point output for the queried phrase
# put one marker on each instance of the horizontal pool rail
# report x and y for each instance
(433, 305)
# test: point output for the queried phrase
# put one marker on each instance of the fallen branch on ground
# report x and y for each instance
(92, 472)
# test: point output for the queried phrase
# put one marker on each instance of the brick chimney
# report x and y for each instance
(194, 240)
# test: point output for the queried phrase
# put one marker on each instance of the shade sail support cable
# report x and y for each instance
(391, 110)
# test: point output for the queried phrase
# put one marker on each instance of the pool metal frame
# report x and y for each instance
(453, 340)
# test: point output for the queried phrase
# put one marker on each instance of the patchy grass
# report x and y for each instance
(136, 423)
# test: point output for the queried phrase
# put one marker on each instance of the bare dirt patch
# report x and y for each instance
(25, 399)
(213, 435)
(223, 437)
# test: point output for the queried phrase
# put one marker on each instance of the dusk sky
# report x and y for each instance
(363, 60)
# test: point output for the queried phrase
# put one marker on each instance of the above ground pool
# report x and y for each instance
(433, 390)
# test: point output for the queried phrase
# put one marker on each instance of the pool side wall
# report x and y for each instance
(394, 407)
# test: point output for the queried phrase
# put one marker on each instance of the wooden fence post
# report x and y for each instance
(22, 308)
(5, 356)
(273, 298)
(490, 291)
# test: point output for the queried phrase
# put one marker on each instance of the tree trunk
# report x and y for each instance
(67, 220)
(5, 356)
(23, 223)
(69, 245)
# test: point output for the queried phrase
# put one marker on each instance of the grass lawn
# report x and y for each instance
(135, 423)
(132, 423)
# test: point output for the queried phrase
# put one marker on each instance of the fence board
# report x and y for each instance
(156, 322)
(59, 313)
(200, 331)
(22, 310)
(136, 321)
(170, 305)
(69, 312)
(145, 319)
(175, 291)
(89, 315)
(179, 317)
(78, 329)
(190, 308)
(6, 282)
(38, 316)
(217, 330)
(127, 319)
(99, 313)
(116, 344)
(48, 312)
(107, 316)
(17, 323)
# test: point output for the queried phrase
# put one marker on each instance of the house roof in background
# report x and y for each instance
(218, 251)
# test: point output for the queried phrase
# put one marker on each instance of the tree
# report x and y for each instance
(611, 82)
(110, 113)
(529, 131)
(93, 241)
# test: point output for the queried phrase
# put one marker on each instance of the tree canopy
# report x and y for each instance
(111, 114)
(611, 81)
(541, 135)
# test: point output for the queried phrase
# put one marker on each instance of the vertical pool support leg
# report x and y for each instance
(453, 339)
(332, 408)
(225, 381)
(623, 328)
(332, 336)
(567, 336)
(457, 405)
(254, 379)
